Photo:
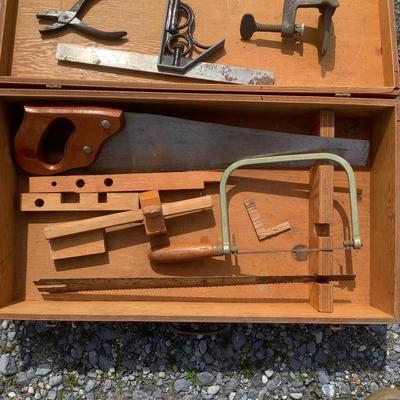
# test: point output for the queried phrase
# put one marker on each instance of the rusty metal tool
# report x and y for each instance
(289, 28)
(175, 254)
(133, 61)
(98, 284)
(69, 18)
(110, 141)
(178, 42)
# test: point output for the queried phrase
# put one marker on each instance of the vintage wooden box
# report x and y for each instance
(357, 80)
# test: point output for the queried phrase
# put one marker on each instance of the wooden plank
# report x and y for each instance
(83, 244)
(154, 221)
(321, 218)
(127, 217)
(137, 182)
(44, 202)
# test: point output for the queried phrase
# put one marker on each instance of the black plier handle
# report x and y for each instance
(70, 18)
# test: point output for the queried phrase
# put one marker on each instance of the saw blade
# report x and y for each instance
(128, 60)
(98, 284)
(151, 142)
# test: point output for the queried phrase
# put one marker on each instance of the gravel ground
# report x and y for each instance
(147, 361)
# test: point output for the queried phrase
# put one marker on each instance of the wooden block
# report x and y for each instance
(138, 182)
(80, 202)
(127, 217)
(321, 297)
(154, 221)
(84, 244)
(321, 218)
(261, 231)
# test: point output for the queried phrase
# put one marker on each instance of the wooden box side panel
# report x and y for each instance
(354, 61)
(8, 181)
(191, 312)
(389, 44)
(384, 219)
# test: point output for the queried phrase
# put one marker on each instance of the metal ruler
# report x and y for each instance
(148, 63)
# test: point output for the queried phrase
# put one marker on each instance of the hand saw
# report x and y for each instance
(136, 142)
(93, 284)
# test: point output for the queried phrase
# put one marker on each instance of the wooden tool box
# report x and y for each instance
(348, 93)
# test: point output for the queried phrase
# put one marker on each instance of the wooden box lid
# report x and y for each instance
(361, 60)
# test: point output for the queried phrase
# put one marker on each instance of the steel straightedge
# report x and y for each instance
(148, 63)
(227, 249)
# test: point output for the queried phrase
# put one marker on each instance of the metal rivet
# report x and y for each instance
(105, 124)
(87, 149)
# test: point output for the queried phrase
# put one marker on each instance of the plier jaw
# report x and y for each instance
(70, 18)
(63, 18)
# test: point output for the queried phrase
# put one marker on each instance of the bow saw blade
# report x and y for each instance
(104, 284)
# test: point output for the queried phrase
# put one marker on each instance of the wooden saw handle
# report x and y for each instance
(179, 254)
(89, 128)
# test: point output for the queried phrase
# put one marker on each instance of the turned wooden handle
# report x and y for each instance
(88, 128)
(178, 254)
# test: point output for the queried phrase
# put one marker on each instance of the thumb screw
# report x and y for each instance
(249, 25)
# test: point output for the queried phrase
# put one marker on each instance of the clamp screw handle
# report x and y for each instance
(249, 26)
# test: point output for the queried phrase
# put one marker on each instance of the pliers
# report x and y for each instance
(70, 18)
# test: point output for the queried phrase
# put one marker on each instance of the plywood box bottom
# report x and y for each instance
(281, 195)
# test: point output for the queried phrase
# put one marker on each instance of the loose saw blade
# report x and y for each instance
(94, 284)
(150, 143)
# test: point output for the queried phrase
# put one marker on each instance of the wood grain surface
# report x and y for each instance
(354, 58)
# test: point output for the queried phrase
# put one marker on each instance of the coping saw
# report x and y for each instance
(112, 141)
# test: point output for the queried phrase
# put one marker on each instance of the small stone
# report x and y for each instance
(12, 395)
(206, 378)
(362, 348)
(238, 341)
(4, 325)
(318, 337)
(90, 386)
(162, 375)
(269, 373)
(328, 390)
(264, 379)
(181, 385)
(213, 390)
(323, 377)
(202, 346)
(55, 380)
(272, 385)
(22, 379)
(296, 396)
(37, 396)
(232, 396)
(321, 357)
(373, 387)
(11, 335)
(344, 389)
(7, 365)
(52, 395)
(107, 384)
(31, 390)
(312, 348)
(231, 384)
(43, 369)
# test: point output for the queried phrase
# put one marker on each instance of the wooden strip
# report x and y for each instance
(321, 218)
(82, 202)
(123, 182)
(276, 230)
(127, 217)
(84, 244)
(154, 221)
(258, 224)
